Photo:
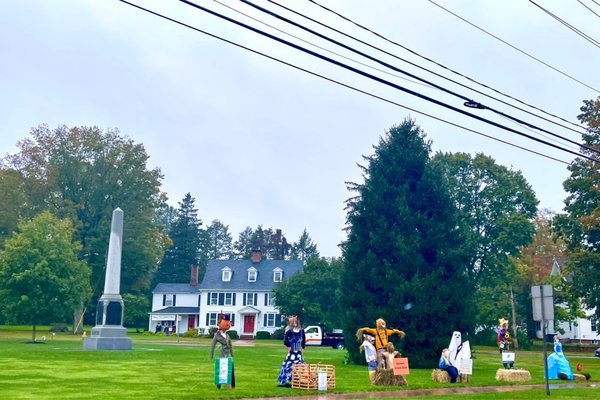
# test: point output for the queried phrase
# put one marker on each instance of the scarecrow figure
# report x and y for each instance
(381, 333)
(295, 340)
(224, 372)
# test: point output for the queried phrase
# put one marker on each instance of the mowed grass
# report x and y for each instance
(161, 367)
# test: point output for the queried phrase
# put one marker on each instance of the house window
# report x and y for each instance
(250, 299)
(227, 299)
(594, 323)
(213, 299)
(213, 318)
(226, 274)
(252, 273)
(272, 320)
(277, 275)
(169, 300)
(269, 299)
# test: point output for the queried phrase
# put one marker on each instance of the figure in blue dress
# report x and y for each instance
(295, 341)
(558, 365)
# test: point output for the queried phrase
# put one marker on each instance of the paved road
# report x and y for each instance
(399, 394)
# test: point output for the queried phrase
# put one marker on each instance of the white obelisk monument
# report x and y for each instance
(109, 333)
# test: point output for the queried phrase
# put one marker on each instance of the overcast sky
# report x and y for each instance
(258, 142)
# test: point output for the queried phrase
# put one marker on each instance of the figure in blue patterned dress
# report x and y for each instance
(295, 341)
(558, 365)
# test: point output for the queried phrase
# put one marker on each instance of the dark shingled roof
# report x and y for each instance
(177, 310)
(176, 288)
(239, 278)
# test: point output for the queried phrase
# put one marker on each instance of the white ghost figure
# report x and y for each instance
(458, 350)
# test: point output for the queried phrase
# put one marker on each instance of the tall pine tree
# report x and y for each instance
(185, 233)
(403, 257)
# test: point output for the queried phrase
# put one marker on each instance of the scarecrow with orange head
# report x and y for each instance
(381, 334)
(224, 372)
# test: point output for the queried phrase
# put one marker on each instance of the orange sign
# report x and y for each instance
(401, 366)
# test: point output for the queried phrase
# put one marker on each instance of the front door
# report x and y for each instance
(248, 324)
(191, 322)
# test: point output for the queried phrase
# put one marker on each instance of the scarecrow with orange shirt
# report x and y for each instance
(381, 334)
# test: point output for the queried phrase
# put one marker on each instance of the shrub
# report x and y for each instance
(191, 333)
(233, 334)
(262, 335)
(211, 331)
(278, 334)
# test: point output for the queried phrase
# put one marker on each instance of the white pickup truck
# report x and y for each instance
(316, 336)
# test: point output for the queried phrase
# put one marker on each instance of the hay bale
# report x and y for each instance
(579, 377)
(440, 376)
(386, 377)
(513, 375)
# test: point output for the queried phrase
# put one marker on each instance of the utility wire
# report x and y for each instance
(592, 11)
(346, 85)
(468, 102)
(317, 46)
(565, 23)
(516, 48)
(436, 63)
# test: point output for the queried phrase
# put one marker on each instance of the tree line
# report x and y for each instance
(435, 242)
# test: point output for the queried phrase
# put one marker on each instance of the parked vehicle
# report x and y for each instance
(597, 354)
(317, 336)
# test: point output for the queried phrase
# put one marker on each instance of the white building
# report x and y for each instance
(243, 289)
(582, 330)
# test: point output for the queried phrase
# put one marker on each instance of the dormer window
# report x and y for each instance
(277, 275)
(252, 273)
(226, 274)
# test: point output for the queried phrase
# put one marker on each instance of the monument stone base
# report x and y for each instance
(107, 338)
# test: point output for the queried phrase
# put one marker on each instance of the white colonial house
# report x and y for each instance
(582, 330)
(243, 289)
(175, 306)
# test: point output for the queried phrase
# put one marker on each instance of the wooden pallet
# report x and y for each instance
(305, 376)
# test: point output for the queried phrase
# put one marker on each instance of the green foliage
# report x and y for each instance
(191, 333)
(278, 333)
(404, 257)
(262, 335)
(233, 335)
(84, 173)
(304, 248)
(217, 242)
(185, 234)
(136, 310)
(14, 202)
(41, 278)
(579, 225)
(313, 293)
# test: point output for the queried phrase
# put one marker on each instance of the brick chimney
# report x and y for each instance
(256, 256)
(193, 275)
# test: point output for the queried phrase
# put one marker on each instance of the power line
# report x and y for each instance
(436, 63)
(565, 23)
(317, 46)
(516, 48)
(468, 102)
(346, 85)
(590, 10)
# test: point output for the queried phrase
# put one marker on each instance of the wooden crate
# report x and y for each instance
(305, 376)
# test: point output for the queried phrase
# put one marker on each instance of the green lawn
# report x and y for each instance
(179, 368)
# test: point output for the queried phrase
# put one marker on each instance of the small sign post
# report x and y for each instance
(543, 311)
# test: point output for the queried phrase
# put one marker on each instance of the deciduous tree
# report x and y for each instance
(41, 278)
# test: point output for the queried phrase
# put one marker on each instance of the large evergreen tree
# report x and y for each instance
(403, 255)
(304, 248)
(185, 234)
(217, 243)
